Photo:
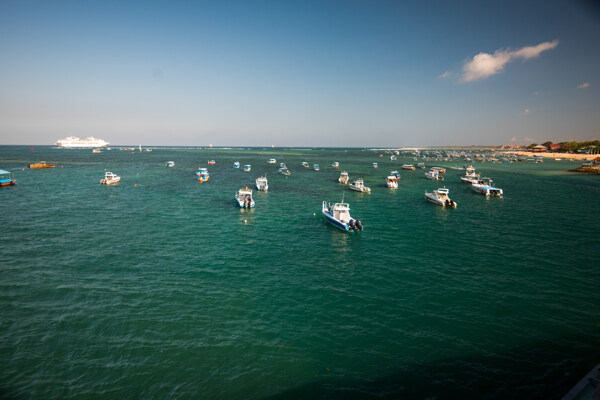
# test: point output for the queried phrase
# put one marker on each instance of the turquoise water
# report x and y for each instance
(160, 287)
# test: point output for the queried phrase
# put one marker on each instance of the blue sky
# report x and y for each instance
(303, 73)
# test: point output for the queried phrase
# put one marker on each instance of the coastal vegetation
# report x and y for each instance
(592, 147)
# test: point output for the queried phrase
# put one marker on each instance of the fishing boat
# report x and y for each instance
(392, 182)
(434, 174)
(247, 168)
(6, 178)
(338, 215)
(305, 164)
(335, 164)
(262, 184)
(244, 198)
(343, 179)
(41, 164)
(316, 167)
(211, 162)
(408, 167)
(236, 164)
(484, 186)
(375, 165)
(170, 164)
(284, 171)
(272, 161)
(202, 174)
(421, 165)
(359, 186)
(110, 178)
(395, 174)
(440, 197)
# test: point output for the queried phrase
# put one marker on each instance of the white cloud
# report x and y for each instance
(484, 65)
(583, 85)
(529, 140)
(445, 75)
(513, 139)
(526, 111)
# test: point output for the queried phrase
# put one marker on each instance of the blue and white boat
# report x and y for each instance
(335, 164)
(244, 198)
(338, 215)
(316, 167)
(247, 168)
(284, 171)
(202, 174)
(282, 165)
(170, 164)
(272, 161)
(262, 184)
(484, 186)
(375, 165)
(6, 179)
(395, 173)
(236, 164)
(304, 164)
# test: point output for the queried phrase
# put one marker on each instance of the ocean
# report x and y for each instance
(160, 287)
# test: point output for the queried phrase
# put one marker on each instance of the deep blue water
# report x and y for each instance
(160, 287)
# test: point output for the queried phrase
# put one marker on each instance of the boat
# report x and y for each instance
(557, 159)
(392, 182)
(440, 197)
(247, 168)
(316, 167)
(110, 178)
(262, 184)
(408, 167)
(284, 171)
(170, 164)
(96, 150)
(338, 215)
(272, 161)
(421, 165)
(6, 178)
(282, 165)
(359, 186)
(41, 164)
(73, 142)
(375, 165)
(470, 175)
(343, 179)
(393, 158)
(304, 164)
(244, 198)
(395, 174)
(335, 164)
(441, 170)
(202, 174)
(434, 174)
(236, 164)
(484, 186)
(211, 162)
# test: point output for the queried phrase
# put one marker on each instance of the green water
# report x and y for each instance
(161, 287)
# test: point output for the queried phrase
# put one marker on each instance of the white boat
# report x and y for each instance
(97, 150)
(284, 171)
(434, 174)
(244, 198)
(338, 214)
(396, 174)
(484, 186)
(408, 167)
(343, 179)
(262, 183)
(316, 167)
(247, 168)
(211, 162)
(440, 197)
(392, 182)
(170, 164)
(470, 175)
(375, 165)
(202, 174)
(73, 142)
(304, 164)
(272, 161)
(110, 179)
(393, 157)
(441, 170)
(421, 165)
(236, 164)
(335, 164)
(359, 186)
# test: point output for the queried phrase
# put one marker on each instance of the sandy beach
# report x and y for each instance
(558, 155)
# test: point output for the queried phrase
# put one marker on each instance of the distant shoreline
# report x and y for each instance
(557, 155)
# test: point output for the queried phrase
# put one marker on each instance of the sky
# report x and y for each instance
(369, 73)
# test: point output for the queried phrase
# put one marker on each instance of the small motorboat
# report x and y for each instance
(375, 165)
(272, 161)
(359, 186)
(441, 170)
(484, 186)
(262, 184)
(393, 158)
(170, 164)
(236, 164)
(316, 167)
(41, 164)
(6, 178)
(338, 215)
(335, 164)
(96, 151)
(110, 178)
(202, 174)
(247, 168)
(211, 162)
(284, 171)
(408, 167)
(396, 174)
(244, 198)
(434, 174)
(421, 165)
(305, 164)
(392, 182)
(343, 179)
(440, 197)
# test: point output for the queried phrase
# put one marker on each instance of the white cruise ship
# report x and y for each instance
(76, 143)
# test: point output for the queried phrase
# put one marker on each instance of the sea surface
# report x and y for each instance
(162, 288)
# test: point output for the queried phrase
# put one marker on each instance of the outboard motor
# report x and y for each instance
(359, 226)
(351, 224)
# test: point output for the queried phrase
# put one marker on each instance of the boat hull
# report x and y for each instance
(335, 222)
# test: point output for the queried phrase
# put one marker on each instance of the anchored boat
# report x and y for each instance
(484, 186)
(440, 197)
(392, 182)
(359, 186)
(434, 174)
(170, 164)
(236, 164)
(338, 215)
(110, 178)
(202, 174)
(244, 198)
(343, 179)
(408, 167)
(6, 178)
(41, 164)
(262, 184)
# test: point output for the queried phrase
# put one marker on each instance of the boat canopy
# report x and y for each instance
(3, 172)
